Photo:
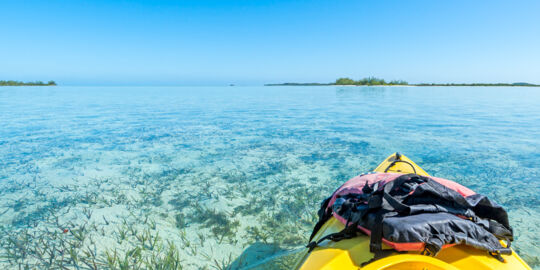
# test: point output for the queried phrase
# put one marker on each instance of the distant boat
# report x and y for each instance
(232, 84)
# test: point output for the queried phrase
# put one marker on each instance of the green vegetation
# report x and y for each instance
(347, 81)
(369, 81)
(19, 83)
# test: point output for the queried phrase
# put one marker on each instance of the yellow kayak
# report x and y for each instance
(351, 253)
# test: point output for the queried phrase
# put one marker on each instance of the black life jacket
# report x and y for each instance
(415, 213)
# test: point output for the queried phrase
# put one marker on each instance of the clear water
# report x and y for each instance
(232, 176)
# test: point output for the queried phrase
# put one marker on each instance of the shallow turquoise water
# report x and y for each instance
(221, 171)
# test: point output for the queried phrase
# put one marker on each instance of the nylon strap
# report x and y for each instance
(347, 233)
(324, 215)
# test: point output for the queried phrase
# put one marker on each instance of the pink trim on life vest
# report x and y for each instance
(355, 184)
(464, 191)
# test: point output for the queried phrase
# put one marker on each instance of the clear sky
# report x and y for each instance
(253, 42)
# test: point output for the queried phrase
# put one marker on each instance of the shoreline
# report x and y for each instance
(374, 81)
(21, 83)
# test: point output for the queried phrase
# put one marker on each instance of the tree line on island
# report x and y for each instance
(368, 81)
(373, 81)
(19, 83)
(349, 81)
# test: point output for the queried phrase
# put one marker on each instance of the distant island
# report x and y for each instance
(348, 81)
(18, 83)
(372, 81)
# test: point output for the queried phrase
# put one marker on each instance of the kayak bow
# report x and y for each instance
(351, 253)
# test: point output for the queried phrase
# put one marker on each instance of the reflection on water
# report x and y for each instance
(232, 176)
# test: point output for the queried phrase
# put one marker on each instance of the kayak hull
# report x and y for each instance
(351, 253)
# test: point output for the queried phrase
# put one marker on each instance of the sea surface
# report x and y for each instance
(232, 177)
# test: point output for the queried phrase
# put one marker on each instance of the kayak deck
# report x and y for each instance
(351, 253)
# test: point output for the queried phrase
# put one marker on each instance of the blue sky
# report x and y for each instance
(254, 42)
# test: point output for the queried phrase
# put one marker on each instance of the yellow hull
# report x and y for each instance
(351, 253)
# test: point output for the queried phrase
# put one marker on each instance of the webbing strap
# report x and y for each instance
(347, 233)
(396, 204)
(375, 241)
(324, 215)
